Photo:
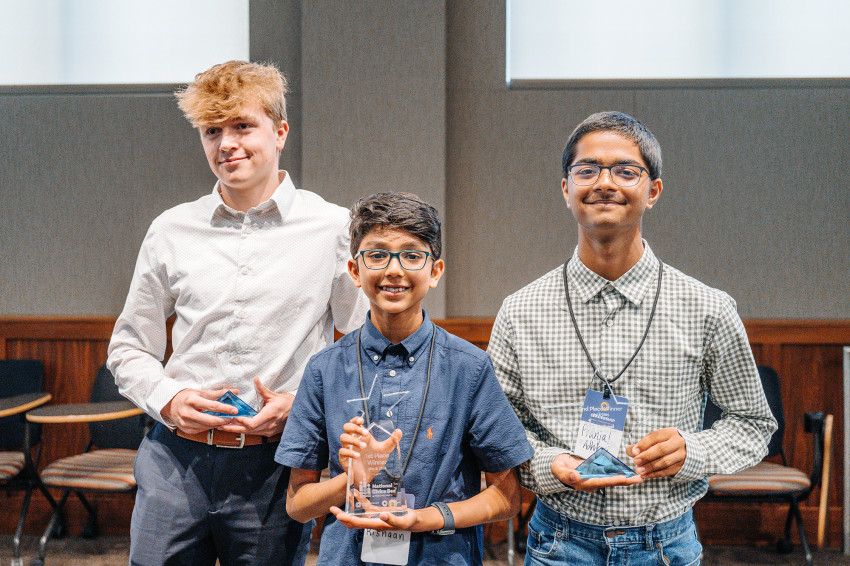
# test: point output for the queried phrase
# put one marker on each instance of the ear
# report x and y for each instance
(565, 191)
(282, 131)
(654, 192)
(354, 272)
(436, 272)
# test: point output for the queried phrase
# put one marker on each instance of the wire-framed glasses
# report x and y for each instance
(410, 260)
(623, 175)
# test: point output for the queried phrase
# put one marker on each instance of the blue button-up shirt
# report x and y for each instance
(467, 427)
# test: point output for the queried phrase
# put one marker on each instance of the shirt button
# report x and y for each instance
(376, 357)
(392, 373)
(608, 287)
(245, 271)
(236, 361)
(241, 314)
(411, 359)
(609, 322)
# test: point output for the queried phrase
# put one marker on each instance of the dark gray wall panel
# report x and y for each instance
(374, 103)
(755, 201)
(86, 176)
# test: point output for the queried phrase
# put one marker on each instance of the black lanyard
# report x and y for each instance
(596, 372)
(424, 397)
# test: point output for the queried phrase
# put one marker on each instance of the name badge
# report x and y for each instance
(385, 547)
(601, 424)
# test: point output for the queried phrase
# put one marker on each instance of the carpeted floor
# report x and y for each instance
(112, 551)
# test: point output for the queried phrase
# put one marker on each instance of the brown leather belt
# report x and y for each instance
(223, 439)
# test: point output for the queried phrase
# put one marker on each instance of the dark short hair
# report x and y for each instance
(624, 125)
(403, 211)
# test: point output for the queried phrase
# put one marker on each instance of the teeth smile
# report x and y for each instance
(393, 289)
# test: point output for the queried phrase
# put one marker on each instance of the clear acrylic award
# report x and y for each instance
(375, 479)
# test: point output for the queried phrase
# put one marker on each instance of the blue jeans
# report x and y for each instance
(554, 539)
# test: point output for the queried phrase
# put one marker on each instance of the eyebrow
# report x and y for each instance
(406, 245)
(595, 161)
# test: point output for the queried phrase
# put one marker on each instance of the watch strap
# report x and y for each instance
(449, 527)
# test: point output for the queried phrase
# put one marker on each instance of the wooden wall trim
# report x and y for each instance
(56, 327)
(476, 330)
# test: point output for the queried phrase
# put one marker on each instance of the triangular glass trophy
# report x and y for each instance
(375, 478)
(229, 398)
(568, 420)
(603, 464)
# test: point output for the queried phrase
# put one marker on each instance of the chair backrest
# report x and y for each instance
(770, 384)
(121, 433)
(18, 377)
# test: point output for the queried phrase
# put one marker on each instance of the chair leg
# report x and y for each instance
(799, 518)
(19, 530)
(510, 542)
(784, 545)
(90, 529)
(42, 543)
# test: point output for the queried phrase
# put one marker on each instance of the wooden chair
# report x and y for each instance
(106, 465)
(770, 482)
(20, 391)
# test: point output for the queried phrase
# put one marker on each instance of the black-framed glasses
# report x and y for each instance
(584, 174)
(410, 260)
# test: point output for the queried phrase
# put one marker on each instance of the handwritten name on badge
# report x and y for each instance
(385, 547)
(601, 425)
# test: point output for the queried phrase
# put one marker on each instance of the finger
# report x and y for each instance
(348, 453)
(352, 440)
(395, 521)
(204, 404)
(661, 449)
(594, 484)
(215, 393)
(262, 390)
(352, 428)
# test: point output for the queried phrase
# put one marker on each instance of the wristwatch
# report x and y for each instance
(449, 527)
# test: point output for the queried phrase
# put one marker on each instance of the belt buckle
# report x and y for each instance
(211, 441)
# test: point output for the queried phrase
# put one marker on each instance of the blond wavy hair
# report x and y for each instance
(219, 93)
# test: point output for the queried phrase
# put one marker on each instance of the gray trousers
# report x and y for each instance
(198, 503)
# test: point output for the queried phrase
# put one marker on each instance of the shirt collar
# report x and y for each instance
(376, 346)
(633, 284)
(278, 204)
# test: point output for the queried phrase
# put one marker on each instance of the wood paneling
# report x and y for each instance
(806, 354)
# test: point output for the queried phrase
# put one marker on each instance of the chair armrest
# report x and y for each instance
(22, 403)
(84, 412)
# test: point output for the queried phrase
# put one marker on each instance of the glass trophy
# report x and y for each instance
(603, 464)
(375, 479)
(230, 398)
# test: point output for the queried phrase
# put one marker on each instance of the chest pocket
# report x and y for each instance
(436, 436)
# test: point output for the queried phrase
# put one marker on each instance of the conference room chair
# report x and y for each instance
(20, 391)
(770, 481)
(116, 428)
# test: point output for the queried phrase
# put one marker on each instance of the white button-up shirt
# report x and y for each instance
(255, 293)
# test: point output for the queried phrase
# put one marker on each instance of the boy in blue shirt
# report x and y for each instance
(452, 420)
